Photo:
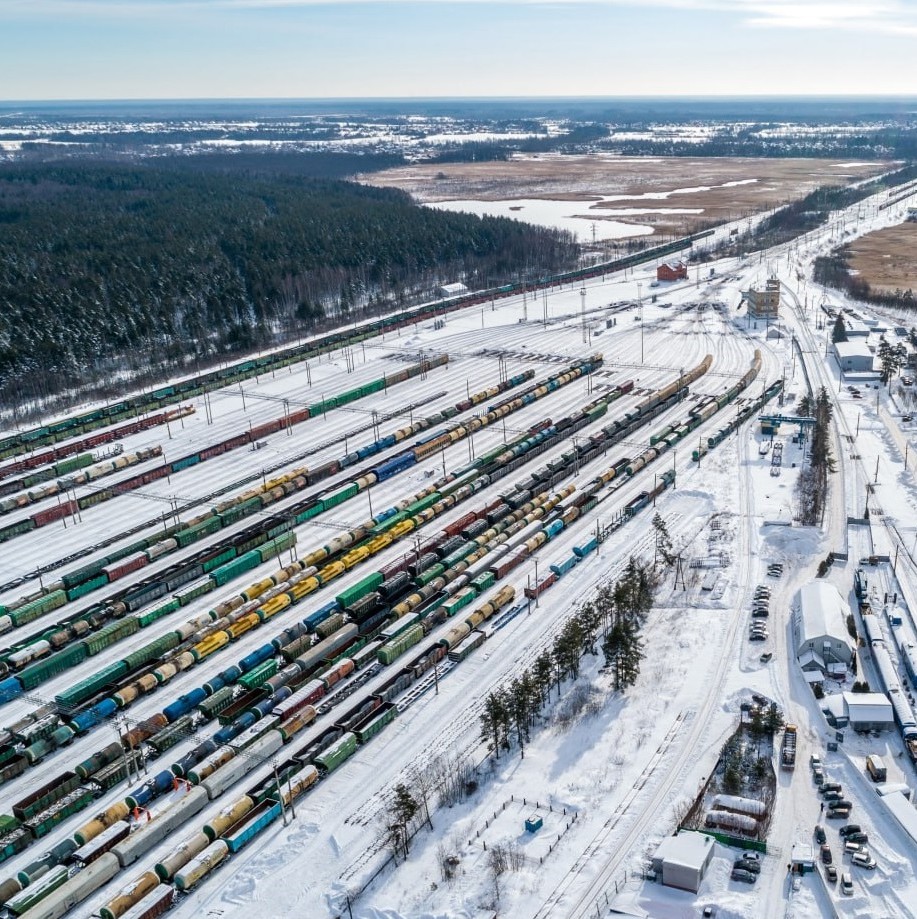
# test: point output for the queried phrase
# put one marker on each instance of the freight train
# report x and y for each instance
(23, 441)
(71, 506)
(431, 596)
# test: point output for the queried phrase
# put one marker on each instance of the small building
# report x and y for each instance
(682, 861)
(802, 858)
(764, 304)
(869, 711)
(856, 328)
(453, 290)
(835, 711)
(853, 356)
(820, 625)
(672, 271)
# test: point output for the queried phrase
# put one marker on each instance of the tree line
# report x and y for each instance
(111, 270)
(812, 484)
(613, 618)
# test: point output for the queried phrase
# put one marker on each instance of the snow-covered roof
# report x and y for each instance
(822, 613)
(451, 290)
(834, 704)
(803, 853)
(868, 706)
(903, 811)
(812, 657)
(855, 348)
(689, 850)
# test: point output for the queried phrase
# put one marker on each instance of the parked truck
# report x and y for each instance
(788, 748)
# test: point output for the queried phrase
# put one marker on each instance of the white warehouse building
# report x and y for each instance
(853, 356)
(822, 642)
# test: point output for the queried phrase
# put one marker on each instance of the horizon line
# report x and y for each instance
(472, 98)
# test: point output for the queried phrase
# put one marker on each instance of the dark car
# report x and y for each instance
(831, 786)
(840, 804)
(857, 837)
(831, 873)
(831, 796)
(820, 835)
(747, 877)
(838, 813)
(850, 828)
(826, 855)
(748, 864)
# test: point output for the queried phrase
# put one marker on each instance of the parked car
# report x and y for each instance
(849, 828)
(766, 656)
(826, 855)
(839, 804)
(830, 795)
(814, 760)
(818, 775)
(846, 884)
(758, 636)
(741, 874)
(748, 864)
(830, 786)
(907, 417)
(840, 813)
(857, 837)
(820, 835)
(831, 873)
(851, 847)
(863, 859)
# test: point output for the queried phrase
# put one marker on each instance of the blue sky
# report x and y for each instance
(123, 49)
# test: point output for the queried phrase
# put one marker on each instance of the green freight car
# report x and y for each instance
(150, 616)
(397, 646)
(110, 634)
(340, 750)
(359, 590)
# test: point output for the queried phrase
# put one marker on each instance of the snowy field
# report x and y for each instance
(614, 781)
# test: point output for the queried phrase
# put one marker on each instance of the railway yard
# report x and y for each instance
(275, 597)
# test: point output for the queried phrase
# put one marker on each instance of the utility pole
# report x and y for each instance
(640, 303)
(582, 295)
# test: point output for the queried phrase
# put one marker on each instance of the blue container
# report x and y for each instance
(226, 734)
(249, 830)
(387, 442)
(394, 466)
(196, 696)
(174, 710)
(314, 620)
(258, 656)
(287, 636)
(230, 675)
(584, 550)
(162, 781)
(10, 688)
(141, 796)
(564, 566)
(263, 708)
(554, 528)
(214, 685)
(190, 760)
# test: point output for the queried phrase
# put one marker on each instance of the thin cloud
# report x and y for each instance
(886, 16)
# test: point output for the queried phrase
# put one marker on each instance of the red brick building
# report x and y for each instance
(669, 271)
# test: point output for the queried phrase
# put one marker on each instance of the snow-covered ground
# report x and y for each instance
(615, 781)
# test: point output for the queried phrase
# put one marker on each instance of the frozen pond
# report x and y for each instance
(564, 215)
